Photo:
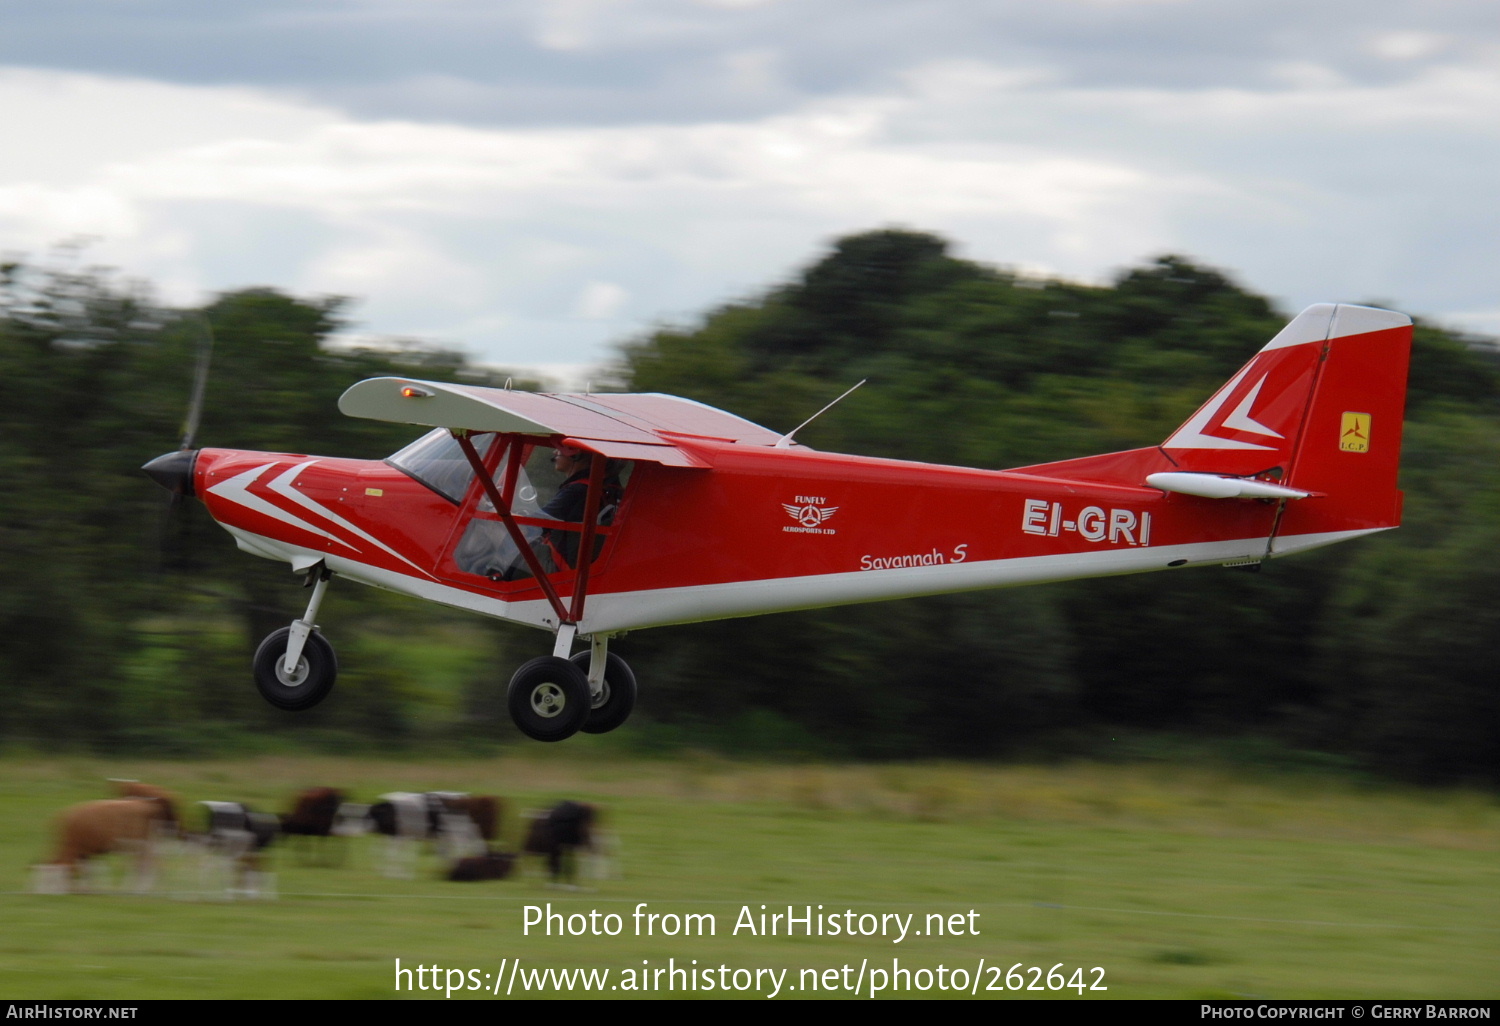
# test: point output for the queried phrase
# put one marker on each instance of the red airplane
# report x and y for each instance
(683, 512)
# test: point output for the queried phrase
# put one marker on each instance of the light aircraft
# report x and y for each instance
(682, 512)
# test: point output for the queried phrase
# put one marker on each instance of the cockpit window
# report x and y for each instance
(437, 460)
(487, 548)
(534, 472)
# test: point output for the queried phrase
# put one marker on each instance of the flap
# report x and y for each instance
(667, 455)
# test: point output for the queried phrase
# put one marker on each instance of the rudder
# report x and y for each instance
(1317, 410)
(1349, 447)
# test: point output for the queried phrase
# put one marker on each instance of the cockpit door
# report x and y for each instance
(505, 537)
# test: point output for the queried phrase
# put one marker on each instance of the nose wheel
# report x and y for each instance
(295, 667)
(310, 678)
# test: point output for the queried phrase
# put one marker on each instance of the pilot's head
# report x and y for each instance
(568, 460)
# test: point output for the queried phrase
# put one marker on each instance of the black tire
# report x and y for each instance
(316, 671)
(548, 698)
(615, 700)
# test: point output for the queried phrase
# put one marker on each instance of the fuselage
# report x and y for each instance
(754, 529)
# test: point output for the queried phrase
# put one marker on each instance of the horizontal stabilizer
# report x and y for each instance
(1216, 486)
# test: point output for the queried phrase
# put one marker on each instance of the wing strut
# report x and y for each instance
(502, 507)
(590, 526)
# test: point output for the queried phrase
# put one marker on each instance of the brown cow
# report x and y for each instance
(136, 789)
(315, 813)
(111, 825)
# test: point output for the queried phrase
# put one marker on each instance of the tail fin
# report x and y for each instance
(1348, 448)
(1351, 357)
(1318, 410)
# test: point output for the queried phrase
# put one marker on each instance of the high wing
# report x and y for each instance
(643, 426)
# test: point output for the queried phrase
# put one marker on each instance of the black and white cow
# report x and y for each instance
(559, 834)
(236, 838)
(458, 824)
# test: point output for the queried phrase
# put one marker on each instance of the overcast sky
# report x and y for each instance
(537, 180)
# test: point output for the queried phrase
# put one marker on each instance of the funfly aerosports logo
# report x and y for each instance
(810, 513)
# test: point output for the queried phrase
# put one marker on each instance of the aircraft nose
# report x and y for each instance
(174, 471)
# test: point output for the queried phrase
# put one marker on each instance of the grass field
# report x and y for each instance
(1176, 882)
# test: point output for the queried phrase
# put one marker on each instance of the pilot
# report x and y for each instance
(572, 496)
(571, 499)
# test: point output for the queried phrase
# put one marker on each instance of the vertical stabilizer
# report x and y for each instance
(1349, 446)
(1318, 410)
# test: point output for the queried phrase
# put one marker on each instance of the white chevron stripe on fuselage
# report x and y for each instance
(283, 486)
(237, 490)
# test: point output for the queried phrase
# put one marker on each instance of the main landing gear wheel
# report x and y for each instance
(549, 698)
(307, 685)
(611, 707)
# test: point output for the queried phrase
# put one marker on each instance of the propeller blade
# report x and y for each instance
(200, 385)
(174, 470)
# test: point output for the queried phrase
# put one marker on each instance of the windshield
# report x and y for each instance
(437, 460)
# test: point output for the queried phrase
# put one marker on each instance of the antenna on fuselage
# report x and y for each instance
(785, 441)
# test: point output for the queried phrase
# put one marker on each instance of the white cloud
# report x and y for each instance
(543, 245)
(736, 4)
(60, 128)
(392, 260)
(34, 216)
(600, 301)
(1408, 46)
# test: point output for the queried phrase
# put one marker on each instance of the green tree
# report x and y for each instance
(978, 366)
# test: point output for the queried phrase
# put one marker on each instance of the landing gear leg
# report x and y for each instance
(295, 667)
(303, 628)
(611, 686)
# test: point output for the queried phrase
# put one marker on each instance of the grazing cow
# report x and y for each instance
(558, 835)
(482, 810)
(352, 820)
(458, 824)
(315, 813)
(494, 865)
(236, 837)
(110, 825)
(136, 789)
